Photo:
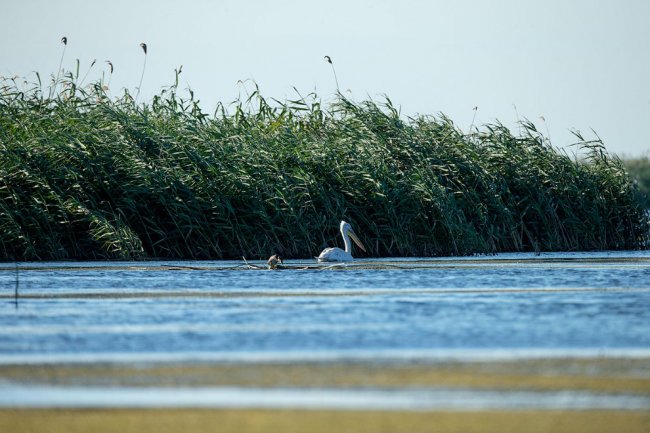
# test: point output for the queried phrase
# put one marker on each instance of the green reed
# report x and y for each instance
(639, 169)
(86, 176)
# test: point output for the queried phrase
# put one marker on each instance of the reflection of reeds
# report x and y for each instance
(87, 177)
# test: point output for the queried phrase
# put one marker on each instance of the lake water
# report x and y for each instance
(505, 306)
(446, 310)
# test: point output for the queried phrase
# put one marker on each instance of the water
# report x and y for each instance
(358, 399)
(509, 307)
(504, 306)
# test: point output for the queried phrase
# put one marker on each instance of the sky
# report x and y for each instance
(565, 65)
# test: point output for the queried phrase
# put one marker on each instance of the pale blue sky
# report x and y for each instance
(580, 64)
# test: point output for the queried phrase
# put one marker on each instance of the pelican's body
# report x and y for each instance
(337, 254)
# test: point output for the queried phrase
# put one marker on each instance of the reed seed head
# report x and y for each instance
(144, 48)
(110, 66)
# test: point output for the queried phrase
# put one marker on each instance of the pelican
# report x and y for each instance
(337, 254)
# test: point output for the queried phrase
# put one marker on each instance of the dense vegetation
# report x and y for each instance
(639, 169)
(86, 176)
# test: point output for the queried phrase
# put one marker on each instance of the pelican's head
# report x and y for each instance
(346, 228)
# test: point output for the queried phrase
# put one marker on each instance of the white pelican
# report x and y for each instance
(337, 254)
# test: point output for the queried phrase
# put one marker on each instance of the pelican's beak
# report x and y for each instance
(356, 240)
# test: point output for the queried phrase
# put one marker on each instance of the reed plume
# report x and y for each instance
(328, 59)
(144, 66)
(110, 72)
(64, 41)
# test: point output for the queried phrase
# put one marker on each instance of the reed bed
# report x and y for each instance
(88, 176)
(639, 170)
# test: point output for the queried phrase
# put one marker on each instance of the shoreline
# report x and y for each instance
(605, 375)
(300, 421)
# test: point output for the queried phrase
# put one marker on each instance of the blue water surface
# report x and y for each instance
(597, 302)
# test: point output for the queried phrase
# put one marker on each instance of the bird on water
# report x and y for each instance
(337, 254)
(274, 261)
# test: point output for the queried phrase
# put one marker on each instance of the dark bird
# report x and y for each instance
(274, 261)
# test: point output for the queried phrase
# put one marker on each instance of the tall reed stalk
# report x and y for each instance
(83, 80)
(64, 41)
(144, 66)
(110, 74)
(328, 59)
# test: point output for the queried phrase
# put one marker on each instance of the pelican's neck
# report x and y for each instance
(346, 241)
